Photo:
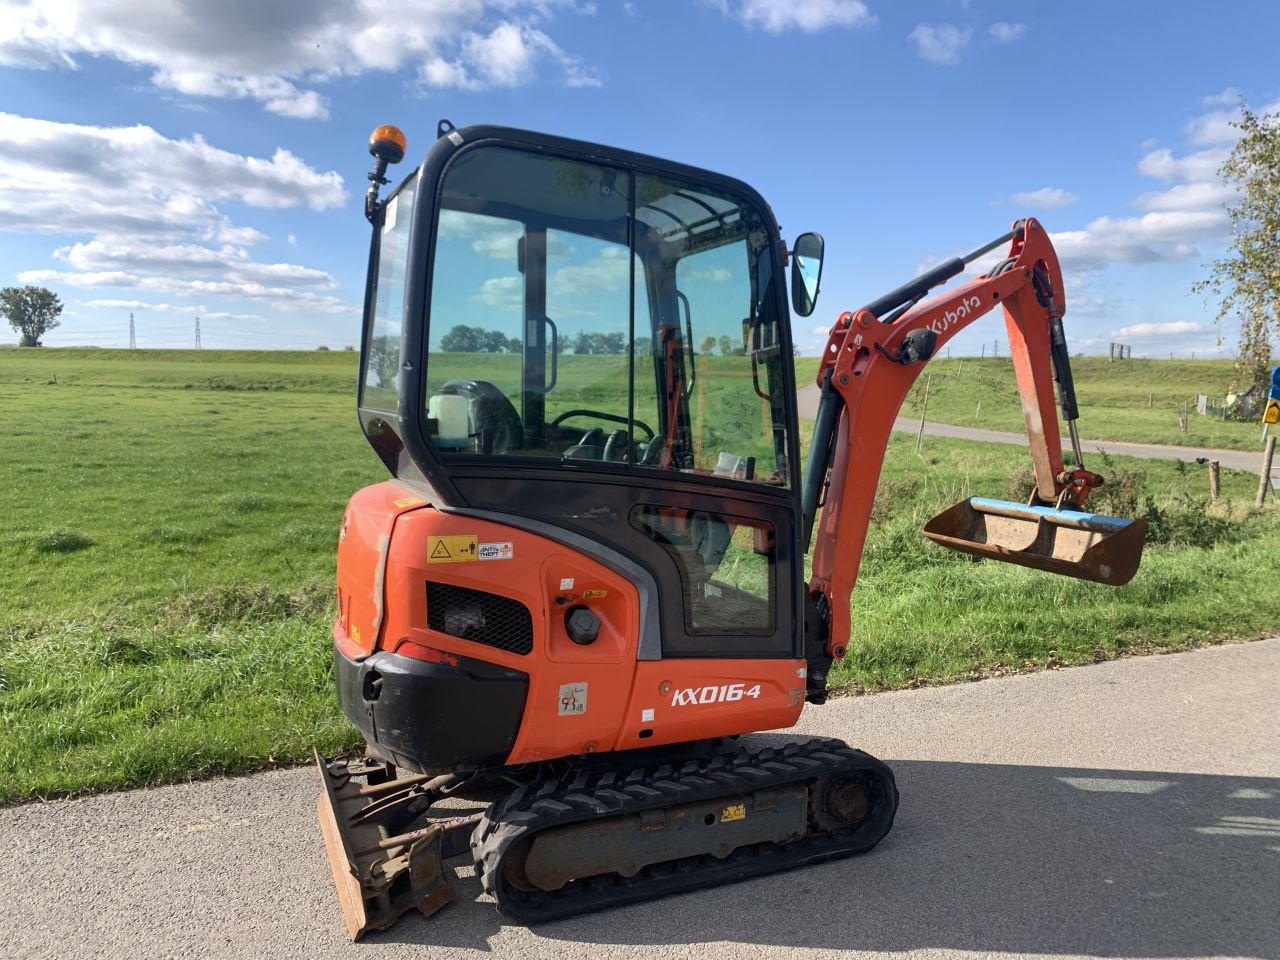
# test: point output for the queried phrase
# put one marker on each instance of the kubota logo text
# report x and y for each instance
(949, 319)
(724, 693)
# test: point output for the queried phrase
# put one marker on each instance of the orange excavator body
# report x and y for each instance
(592, 617)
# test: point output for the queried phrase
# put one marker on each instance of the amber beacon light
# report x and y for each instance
(387, 144)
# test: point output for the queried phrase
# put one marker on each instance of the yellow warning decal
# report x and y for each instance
(407, 502)
(594, 594)
(734, 811)
(451, 549)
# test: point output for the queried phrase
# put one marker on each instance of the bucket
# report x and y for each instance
(1088, 546)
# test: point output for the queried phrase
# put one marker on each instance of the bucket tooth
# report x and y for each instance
(1088, 546)
(378, 876)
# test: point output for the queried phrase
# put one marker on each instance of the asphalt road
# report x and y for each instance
(1129, 809)
(807, 397)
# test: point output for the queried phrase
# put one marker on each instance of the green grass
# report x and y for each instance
(925, 615)
(1135, 400)
(168, 542)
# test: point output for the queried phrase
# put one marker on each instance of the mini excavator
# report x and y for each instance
(585, 579)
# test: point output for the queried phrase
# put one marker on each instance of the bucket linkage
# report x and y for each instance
(1057, 537)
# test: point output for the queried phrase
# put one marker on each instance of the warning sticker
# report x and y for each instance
(451, 549)
(594, 594)
(407, 502)
(497, 551)
(573, 699)
(734, 811)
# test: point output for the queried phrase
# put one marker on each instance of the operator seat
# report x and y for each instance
(493, 420)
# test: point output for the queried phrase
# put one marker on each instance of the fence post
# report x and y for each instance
(924, 408)
(1215, 480)
(1264, 478)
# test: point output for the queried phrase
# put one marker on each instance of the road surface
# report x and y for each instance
(1129, 809)
(807, 397)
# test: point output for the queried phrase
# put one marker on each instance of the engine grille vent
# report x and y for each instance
(480, 617)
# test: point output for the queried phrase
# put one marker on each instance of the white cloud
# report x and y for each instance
(146, 206)
(140, 174)
(177, 259)
(1046, 198)
(502, 293)
(278, 54)
(289, 299)
(240, 236)
(1175, 222)
(778, 16)
(1217, 127)
(1199, 195)
(607, 272)
(1140, 330)
(194, 310)
(940, 42)
(1002, 32)
(1153, 237)
(1200, 165)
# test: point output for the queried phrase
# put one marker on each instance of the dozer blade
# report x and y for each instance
(378, 876)
(1089, 546)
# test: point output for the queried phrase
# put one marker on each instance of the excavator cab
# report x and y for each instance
(599, 342)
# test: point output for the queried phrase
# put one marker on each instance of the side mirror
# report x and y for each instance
(806, 272)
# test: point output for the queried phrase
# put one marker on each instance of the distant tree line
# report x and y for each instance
(464, 339)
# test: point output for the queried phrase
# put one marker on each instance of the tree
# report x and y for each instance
(495, 341)
(708, 346)
(463, 339)
(32, 311)
(726, 346)
(1247, 280)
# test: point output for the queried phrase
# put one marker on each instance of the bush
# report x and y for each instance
(1188, 522)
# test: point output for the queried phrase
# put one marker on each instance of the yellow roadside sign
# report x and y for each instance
(1272, 413)
(451, 549)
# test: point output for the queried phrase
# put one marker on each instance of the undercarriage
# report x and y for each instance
(578, 836)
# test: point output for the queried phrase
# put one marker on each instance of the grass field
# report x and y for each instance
(169, 530)
(1139, 400)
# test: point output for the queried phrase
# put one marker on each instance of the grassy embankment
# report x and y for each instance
(1138, 400)
(169, 527)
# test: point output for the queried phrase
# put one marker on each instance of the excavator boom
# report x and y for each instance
(874, 356)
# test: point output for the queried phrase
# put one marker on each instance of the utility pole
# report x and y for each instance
(133, 339)
(197, 333)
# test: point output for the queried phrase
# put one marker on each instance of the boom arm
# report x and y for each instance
(871, 360)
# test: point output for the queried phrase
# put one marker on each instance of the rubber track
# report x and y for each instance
(593, 794)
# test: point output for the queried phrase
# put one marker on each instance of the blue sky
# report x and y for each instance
(179, 158)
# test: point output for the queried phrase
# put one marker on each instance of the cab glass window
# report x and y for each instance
(380, 377)
(583, 312)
